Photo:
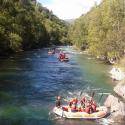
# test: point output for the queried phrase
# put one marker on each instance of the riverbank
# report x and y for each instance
(117, 73)
(116, 101)
(116, 104)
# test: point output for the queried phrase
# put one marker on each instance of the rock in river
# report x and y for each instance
(117, 108)
(120, 89)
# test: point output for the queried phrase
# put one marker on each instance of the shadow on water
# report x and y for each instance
(30, 81)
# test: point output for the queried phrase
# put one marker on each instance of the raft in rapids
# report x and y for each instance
(100, 113)
(66, 59)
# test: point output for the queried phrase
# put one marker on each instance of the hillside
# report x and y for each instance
(102, 30)
(27, 25)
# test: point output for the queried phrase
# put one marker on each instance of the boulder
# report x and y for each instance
(117, 74)
(117, 108)
(120, 89)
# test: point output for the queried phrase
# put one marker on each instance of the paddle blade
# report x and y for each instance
(93, 93)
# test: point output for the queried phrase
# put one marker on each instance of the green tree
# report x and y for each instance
(101, 29)
(26, 24)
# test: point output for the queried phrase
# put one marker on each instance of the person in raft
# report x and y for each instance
(62, 55)
(73, 104)
(93, 104)
(58, 101)
(83, 102)
(90, 106)
(73, 101)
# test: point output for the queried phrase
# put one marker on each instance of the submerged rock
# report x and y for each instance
(117, 108)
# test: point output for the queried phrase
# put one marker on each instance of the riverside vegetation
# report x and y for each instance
(26, 24)
(102, 30)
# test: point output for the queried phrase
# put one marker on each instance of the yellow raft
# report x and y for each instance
(101, 112)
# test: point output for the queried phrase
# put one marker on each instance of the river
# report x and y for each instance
(30, 81)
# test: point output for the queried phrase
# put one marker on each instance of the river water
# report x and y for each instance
(30, 81)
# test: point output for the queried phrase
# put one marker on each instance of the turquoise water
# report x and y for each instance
(30, 81)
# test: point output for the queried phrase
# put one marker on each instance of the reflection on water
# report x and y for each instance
(30, 81)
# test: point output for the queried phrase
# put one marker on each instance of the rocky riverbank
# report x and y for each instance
(117, 74)
(120, 89)
(116, 103)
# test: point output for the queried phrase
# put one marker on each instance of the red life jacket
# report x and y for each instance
(87, 110)
(63, 56)
(94, 108)
(75, 101)
(83, 100)
(65, 109)
(70, 103)
(74, 108)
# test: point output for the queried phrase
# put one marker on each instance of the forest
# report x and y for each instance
(26, 24)
(102, 30)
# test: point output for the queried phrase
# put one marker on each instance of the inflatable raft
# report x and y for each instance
(100, 113)
(64, 60)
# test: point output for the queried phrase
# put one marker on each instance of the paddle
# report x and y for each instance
(100, 98)
(80, 93)
(93, 93)
(66, 100)
(106, 93)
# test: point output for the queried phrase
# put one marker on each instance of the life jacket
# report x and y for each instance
(70, 103)
(58, 103)
(87, 110)
(74, 108)
(65, 109)
(80, 109)
(83, 100)
(94, 108)
(94, 103)
(75, 100)
(61, 56)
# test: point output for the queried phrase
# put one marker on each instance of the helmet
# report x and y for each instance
(58, 97)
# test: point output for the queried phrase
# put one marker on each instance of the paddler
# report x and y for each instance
(58, 101)
(83, 101)
(74, 107)
(61, 55)
(74, 100)
(73, 104)
(88, 108)
(64, 55)
(93, 104)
